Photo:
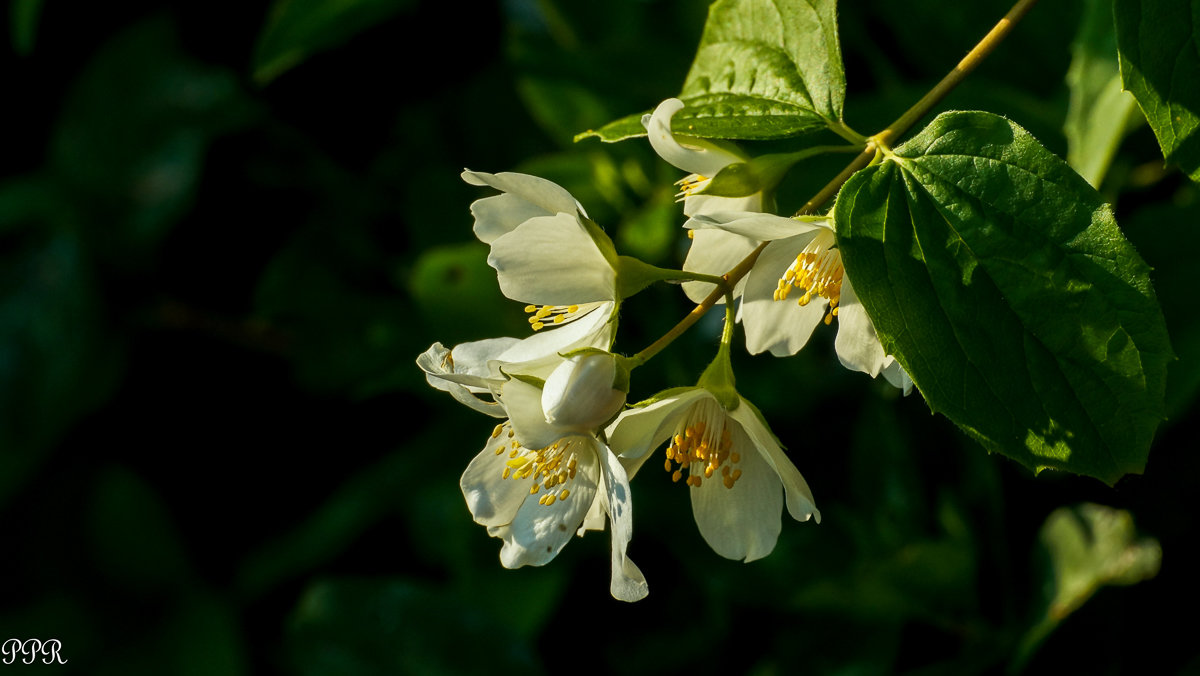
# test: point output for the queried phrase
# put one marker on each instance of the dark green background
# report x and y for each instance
(217, 455)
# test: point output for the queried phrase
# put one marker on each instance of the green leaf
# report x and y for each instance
(132, 138)
(347, 627)
(1159, 44)
(1099, 111)
(23, 21)
(1001, 282)
(765, 69)
(133, 538)
(58, 356)
(1088, 546)
(296, 29)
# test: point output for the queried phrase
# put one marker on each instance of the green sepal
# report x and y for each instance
(718, 379)
(527, 379)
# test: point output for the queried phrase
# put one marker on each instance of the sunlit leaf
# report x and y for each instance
(764, 69)
(1001, 282)
(1088, 546)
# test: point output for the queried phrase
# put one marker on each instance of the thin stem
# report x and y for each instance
(875, 143)
(910, 117)
(731, 278)
(954, 77)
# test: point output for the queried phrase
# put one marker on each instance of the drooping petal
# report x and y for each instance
(693, 155)
(492, 495)
(857, 345)
(799, 498)
(461, 375)
(742, 522)
(579, 394)
(539, 531)
(552, 260)
(640, 430)
(714, 252)
(627, 583)
(781, 326)
(753, 225)
(525, 197)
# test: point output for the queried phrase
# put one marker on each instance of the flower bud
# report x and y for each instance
(580, 395)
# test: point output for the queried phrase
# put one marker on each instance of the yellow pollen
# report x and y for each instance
(541, 315)
(551, 468)
(818, 271)
(496, 432)
(701, 447)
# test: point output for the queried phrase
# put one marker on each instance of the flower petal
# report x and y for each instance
(781, 326)
(694, 155)
(493, 499)
(444, 371)
(538, 355)
(640, 430)
(579, 394)
(714, 252)
(799, 498)
(525, 197)
(698, 205)
(752, 224)
(897, 376)
(857, 345)
(524, 405)
(627, 583)
(742, 522)
(552, 260)
(538, 532)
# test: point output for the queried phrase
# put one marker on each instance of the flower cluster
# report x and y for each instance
(561, 460)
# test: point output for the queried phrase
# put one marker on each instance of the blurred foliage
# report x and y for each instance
(226, 235)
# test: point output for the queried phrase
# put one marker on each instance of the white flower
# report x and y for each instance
(740, 478)
(543, 249)
(535, 484)
(797, 283)
(479, 367)
(713, 252)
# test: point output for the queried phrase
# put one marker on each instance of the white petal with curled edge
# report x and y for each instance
(552, 261)
(627, 583)
(754, 225)
(538, 532)
(742, 522)
(640, 430)
(439, 366)
(714, 252)
(537, 194)
(799, 499)
(857, 345)
(493, 499)
(693, 155)
(781, 326)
